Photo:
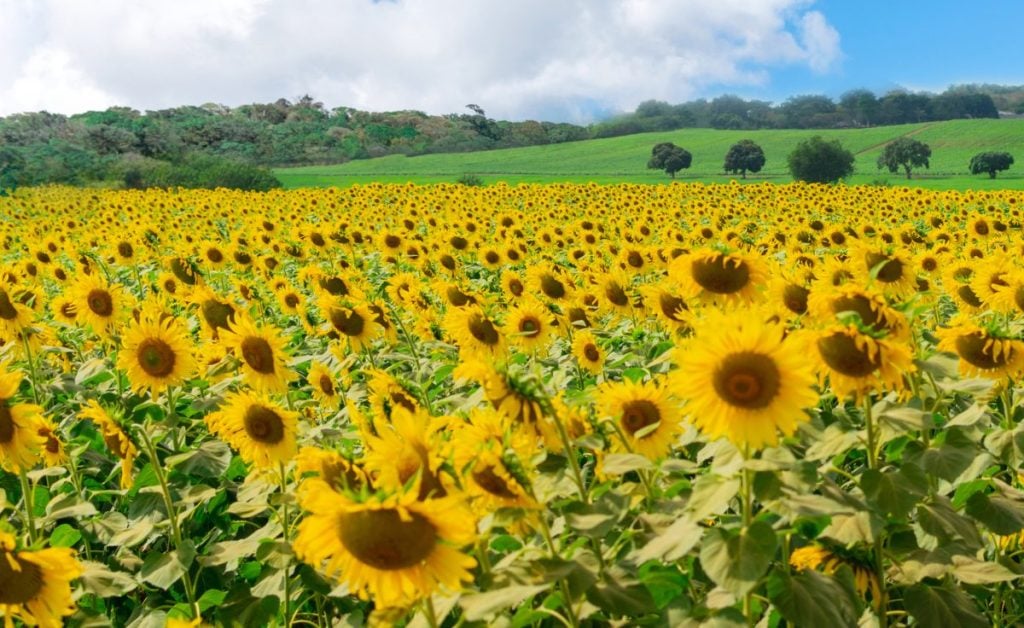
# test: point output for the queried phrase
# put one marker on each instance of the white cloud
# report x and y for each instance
(529, 58)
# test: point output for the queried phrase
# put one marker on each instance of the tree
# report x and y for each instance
(670, 158)
(817, 160)
(11, 166)
(744, 155)
(906, 153)
(991, 162)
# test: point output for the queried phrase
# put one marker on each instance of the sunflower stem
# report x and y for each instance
(570, 454)
(31, 366)
(26, 493)
(748, 516)
(546, 532)
(869, 424)
(1007, 398)
(172, 514)
(286, 523)
(429, 612)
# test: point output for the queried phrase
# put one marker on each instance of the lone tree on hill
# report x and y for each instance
(670, 158)
(991, 162)
(744, 155)
(817, 160)
(906, 153)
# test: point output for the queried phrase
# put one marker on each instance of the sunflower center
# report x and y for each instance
(638, 414)
(68, 310)
(1018, 297)
(720, 275)
(458, 298)
(794, 297)
(529, 327)
(156, 357)
(891, 270)
(552, 287)
(383, 539)
(616, 294)
(591, 352)
(21, 585)
(183, 271)
(100, 302)
(115, 443)
(862, 306)
(747, 380)
(7, 311)
(291, 300)
(483, 330)
(671, 306)
(971, 347)
(326, 385)
(967, 294)
(263, 425)
(214, 255)
(493, 483)
(516, 287)
(125, 249)
(634, 259)
(349, 323)
(334, 286)
(216, 314)
(258, 355)
(6, 423)
(841, 354)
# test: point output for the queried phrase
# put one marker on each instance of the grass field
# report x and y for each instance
(622, 159)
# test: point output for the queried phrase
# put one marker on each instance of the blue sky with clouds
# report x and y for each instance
(573, 60)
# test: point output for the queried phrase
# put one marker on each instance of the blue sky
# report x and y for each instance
(561, 60)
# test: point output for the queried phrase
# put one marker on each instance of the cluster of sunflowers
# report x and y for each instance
(532, 405)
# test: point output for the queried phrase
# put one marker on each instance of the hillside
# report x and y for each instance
(622, 159)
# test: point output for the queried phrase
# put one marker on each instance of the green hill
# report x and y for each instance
(622, 159)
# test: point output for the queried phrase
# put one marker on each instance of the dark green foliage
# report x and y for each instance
(991, 162)
(201, 171)
(906, 153)
(744, 155)
(11, 166)
(670, 158)
(470, 180)
(817, 160)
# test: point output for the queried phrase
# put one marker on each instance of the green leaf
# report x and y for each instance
(999, 514)
(895, 492)
(99, 580)
(811, 598)
(952, 457)
(209, 460)
(620, 464)
(937, 518)
(672, 544)
(69, 505)
(711, 495)
(481, 606)
(211, 598)
(64, 536)
(942, 606)
(162, 569)
(665, 584)
(736, 561)
(634, 374)
(973, 571)
(859, 527)
(630, 600)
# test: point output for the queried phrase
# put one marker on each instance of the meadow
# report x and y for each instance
(622, 159)
(531, 405)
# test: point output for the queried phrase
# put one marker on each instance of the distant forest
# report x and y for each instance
(214, 145)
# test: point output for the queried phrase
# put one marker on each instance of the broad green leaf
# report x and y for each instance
(619, 464)
(736, 561)
(952, 457)
(942, 606)
(64, 536)
(937, 518)
(69, 505)
(895, 492)
(480, 606)
(999, 514)
(811, 598)
(859, 527)
(629, 600)
(672, 544)
(209, 460)
(99, 580)
(973, 571)
(711, 495)
(162, 569)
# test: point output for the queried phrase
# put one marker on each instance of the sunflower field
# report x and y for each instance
(578, 405)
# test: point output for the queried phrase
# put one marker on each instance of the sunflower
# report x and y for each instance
(20, 423)
(392, 549)
(712, 275)
(262, 432)
(664, 301)
(156, 354)
(512, 285)
(529, 324)
(261, 352)
(35, 585)
(519, 399)
(357, 324)
(99, 304)
(14, 315)
(117, 441)
(743, 382)
(63, 308)
(551, 281)
(589, 355)
(490, 458)
(52, 448)
(387, 393)
(215, 313)
(854, 361)
(870, 306)
(324, 385)
(646, 416)
(827, 561)
(890, 269)
(332, 468)
(474, 332)
(407, 449)
(983, 351)
(613, 289)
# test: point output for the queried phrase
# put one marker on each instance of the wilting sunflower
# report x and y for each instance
(99, 304)
(529, 324)
(261, 351)
(743, 382)
(589, 355)
(20, 423)
(988, 352)
(827, 561)
(855, 362)
(712, 275)
(156, 353)
(474, 332)
(647, 417)
(35, 585)
(262, 432)
(114, 437)
(392, 549)
(324, 385)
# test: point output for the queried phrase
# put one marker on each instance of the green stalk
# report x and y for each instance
(286, 523)
(26, 492)
(869, 423)
(746, 487)
(31, 366)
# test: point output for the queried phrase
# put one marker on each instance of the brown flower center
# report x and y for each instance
(334, 286)
(493, 483)
(551, 286)
(183, 271)
(841, 354)
(6, 423)
(291, 300)
(891, 270)
(100, 302)
(794, 297)
(720, 274)
(258, 354)
(214, 255)
(591, 352)
(747, 380)
(348, 322)
(263, 425)
(862, 306)
(18, 585)
(634, 259)
(971, 347)
(7, 310)
(671, 306)
(458, 298)
(383, 539)
(516, 287)
(156, 357)
(638, 414)
(967, 294)
(483, 330)
(614, 292)
(216, 314)
(326, 385)
(529, 327)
